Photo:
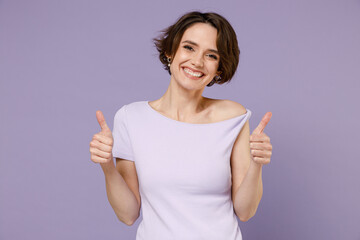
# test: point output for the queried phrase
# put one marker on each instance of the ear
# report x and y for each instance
(219, 73)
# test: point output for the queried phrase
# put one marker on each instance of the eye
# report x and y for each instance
(213, 56)
(188, 47)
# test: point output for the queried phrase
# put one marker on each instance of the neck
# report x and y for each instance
(181, 103)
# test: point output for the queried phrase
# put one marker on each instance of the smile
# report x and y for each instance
(193, 73)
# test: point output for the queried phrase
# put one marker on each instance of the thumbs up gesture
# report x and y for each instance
(102, 142)
(260, 146)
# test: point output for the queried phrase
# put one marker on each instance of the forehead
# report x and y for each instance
(201, 33)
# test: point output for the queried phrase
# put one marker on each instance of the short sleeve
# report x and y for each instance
(122, 147)
(248, 115)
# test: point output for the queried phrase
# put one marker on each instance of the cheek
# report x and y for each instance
(182, 55)
(214, 67)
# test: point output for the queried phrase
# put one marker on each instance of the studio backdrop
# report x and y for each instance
(61, 61)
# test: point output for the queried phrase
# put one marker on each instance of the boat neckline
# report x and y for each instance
(194, 124)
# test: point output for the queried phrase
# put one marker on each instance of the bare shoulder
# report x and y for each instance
(233, 108)
(227, 108)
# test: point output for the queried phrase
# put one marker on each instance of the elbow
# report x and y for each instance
(133, 220)
(245, 217)
(246, 214)
(129, 221)
(242, 217)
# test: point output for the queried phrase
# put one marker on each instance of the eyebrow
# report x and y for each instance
(195, 44)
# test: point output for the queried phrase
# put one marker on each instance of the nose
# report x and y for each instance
(197, 60)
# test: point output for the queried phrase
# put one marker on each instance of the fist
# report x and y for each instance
(260, 146)
(102, 142)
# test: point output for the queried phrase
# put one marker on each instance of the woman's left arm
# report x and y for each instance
(248, 189)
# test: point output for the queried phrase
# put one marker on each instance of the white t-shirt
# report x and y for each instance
(183, 170)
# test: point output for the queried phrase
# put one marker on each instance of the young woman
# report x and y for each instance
(187, 161)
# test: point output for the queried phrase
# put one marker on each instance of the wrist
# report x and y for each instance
(255, 164)
(108, 167)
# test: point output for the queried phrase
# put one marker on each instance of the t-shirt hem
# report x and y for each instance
(123, 156)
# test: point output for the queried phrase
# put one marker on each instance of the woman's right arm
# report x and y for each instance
(121, 198)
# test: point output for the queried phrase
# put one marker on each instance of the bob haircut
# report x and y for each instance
(168, 42)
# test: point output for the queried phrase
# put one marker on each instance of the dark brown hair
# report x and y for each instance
(168, 42)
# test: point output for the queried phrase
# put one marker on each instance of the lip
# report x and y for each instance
(190, 76)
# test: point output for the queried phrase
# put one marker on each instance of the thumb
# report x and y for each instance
(101, 120)
(264, 121)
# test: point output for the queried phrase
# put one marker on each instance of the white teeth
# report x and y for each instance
(192, 73)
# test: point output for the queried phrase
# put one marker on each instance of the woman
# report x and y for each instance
(188, 161)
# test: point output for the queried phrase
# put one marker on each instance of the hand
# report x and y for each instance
(260, 146)
(102, 142)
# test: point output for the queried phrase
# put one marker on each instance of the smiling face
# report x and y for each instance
(196, 60)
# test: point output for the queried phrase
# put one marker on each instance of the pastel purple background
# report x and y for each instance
(60, 61)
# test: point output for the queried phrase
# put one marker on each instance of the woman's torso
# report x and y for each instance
(184, 171)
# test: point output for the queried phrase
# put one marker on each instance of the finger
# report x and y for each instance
(261, 160)
(104, 139)
(97, 159)
(260, 146)
(101, 120)
(100, 153)
(264, 121)
(260, 153)
(101, 146)
(259, 138)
